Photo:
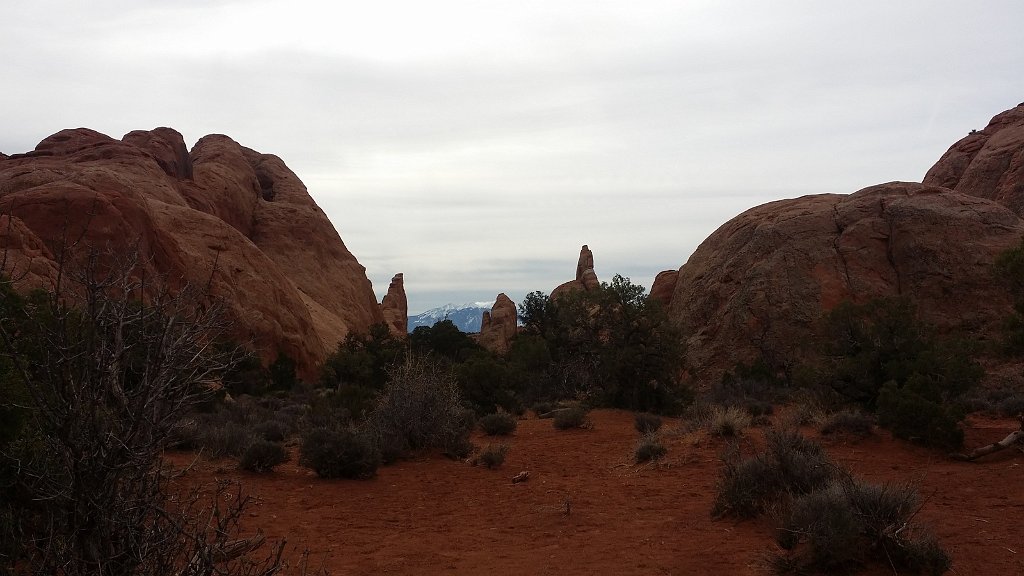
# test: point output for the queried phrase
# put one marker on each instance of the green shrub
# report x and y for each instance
(498, 424)
(339, 453)
(263, 456)
(613, 342)
(485, 383)
(649, 448)
(571, 417)
(646, 423)
(363, 359)
(728, 421)
(790, 465)
(282, 373)
(912, 416)
(886, 359)
(493, 456)
(852, 422)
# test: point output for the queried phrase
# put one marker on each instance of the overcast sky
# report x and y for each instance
(475, 145)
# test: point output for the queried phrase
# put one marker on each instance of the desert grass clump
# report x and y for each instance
(649, 448)
(493, 455)
(228, 439)
(848, 422)
(646, 423)
(339, 453)
(498, 424)
(262, 456)
(760, 411)
(728, 421)
(571, 417)
(849, 523)
(790, 465)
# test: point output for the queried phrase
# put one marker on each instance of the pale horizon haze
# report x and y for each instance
(475, 145)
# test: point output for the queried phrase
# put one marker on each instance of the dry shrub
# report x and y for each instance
(649, 448)
(571, 417)
(647, 423)
(790, 465)
(728, 421)
(263, 456)
(419, 409)
(850, 422)
(493, 456)
(849, 523)
(84, 487)
(498, 424)
(272, 430)
(339, 453)
(230, 439)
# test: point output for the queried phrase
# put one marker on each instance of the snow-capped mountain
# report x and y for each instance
(465, 316)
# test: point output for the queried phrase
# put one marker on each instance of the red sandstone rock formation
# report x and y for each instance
(988, 163)
(663, 287)
(757, 286)
(395, 307)
(586, 278)
(221, 215)
(499, 326)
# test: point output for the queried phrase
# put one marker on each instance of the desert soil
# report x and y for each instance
(587, 509)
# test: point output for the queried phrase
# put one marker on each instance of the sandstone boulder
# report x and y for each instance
(221, 216)
(499, 326)
(757, 286)
(395, 307)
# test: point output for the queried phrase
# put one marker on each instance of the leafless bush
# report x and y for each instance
(419, 409)
(110, 360)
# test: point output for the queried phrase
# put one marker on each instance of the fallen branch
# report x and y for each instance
(1014, 438)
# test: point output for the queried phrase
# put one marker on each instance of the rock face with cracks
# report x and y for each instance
(221, 216)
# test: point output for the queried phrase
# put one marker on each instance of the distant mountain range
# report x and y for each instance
(465, 316)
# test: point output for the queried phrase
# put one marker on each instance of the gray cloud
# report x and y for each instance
(475, 146)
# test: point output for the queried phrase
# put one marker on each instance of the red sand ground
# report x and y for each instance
(588, 510)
